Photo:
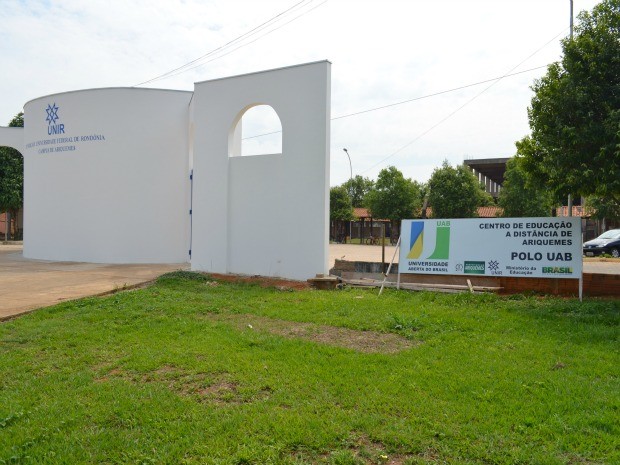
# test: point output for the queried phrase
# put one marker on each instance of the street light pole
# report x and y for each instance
(571, 19)
(570, 196)
(350, 194)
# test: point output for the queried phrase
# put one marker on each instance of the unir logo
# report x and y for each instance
(52, 117)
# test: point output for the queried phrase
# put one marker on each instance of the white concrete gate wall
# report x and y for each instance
(111, 185)
(12, 137)
(107, 175)
(265, 214)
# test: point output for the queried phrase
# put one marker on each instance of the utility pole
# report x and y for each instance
(571, 19)
(570, 196)
(351, 197)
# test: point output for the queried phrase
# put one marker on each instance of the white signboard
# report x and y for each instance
(514, 247)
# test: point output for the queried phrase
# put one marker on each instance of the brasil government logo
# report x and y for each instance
(52, 117)
(442, 240)
(557, 269)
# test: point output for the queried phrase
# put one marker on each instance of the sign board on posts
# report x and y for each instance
(513, 247)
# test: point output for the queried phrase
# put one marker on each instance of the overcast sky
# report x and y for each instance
(383, 52)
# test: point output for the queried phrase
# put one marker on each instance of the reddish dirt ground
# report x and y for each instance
(264, 282)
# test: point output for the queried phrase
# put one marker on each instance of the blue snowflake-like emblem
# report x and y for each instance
(493, 265)
(52, 113)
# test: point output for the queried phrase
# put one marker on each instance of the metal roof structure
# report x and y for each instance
(492, 168)
(490, 172)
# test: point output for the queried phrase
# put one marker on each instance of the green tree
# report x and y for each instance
(340, 204)
(603, 209)
(12, 175)
(394, 197)
(574, 116)
(520, 198)
(455, 192)
(17, 121)
(358, 188)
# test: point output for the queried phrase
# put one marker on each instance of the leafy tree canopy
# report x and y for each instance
(17, 121)
(394, 197)
(574, 116)
(12, 173)
(519, 198)
(455, 192)
(340, 204)
(358, 187)
(601, 209)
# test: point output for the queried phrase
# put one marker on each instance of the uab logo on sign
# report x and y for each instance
(474, 268)
(442, 240)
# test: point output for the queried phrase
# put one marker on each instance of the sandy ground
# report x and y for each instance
(29, 284)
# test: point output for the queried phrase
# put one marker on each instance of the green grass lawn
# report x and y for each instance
(193, 371)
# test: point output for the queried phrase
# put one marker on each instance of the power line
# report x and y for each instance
(186, 67)
(248, 43)
(222, 47)
(437, 93)
(261, 135)
(462, 106)
(454, 89)
(247, 34)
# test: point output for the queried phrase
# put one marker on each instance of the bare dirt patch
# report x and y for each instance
(278, 283)
(361, 341)
(217, 388)
(573, 459)
(373, 452)
(358, 449)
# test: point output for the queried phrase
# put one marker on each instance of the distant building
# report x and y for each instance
(490, 172)
(16, 228)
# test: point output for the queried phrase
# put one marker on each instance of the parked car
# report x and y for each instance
(608, 242)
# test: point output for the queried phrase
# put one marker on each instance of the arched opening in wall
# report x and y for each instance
(258, 132)
(11, 194)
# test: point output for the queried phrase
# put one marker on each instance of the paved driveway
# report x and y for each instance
(29, 284)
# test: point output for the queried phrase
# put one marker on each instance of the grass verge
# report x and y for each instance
(198, 371)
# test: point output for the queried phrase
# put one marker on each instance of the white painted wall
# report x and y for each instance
(268, 214)
(107, 175)
(124, 199)
(12, 137)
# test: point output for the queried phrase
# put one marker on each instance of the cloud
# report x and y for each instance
(382, 52)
